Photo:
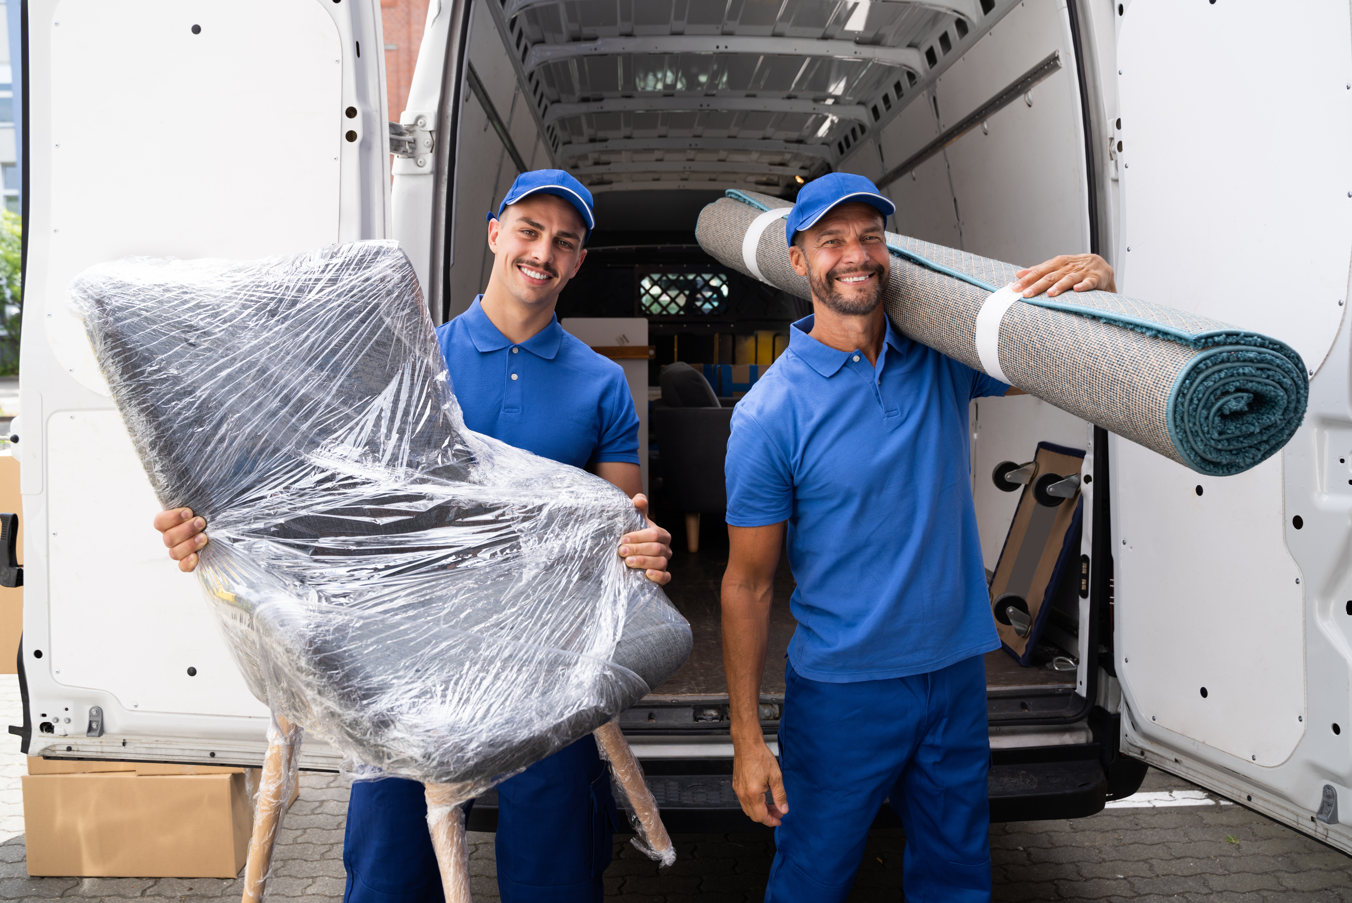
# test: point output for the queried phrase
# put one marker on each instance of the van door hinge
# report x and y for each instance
(414, 141)
(1328, 806)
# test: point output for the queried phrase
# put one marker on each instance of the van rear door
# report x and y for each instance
(1233, 633)
(162, 128)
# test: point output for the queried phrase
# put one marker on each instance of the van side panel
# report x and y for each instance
(484, 168)
(108, 620)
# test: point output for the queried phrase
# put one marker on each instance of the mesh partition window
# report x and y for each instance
(674, 294)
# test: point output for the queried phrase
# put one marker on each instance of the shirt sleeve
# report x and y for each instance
(619, 423)
(984, 385)
(980, 385)
(760, 484)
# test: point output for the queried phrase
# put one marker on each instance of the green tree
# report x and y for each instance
(11, 290)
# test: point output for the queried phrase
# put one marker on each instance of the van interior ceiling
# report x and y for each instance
(971, 115)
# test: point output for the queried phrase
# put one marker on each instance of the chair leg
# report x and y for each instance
(630, 778)
(692, 532)
(446, 821)
(274, 794)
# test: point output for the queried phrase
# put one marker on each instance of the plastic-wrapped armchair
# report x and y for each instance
(435, 604)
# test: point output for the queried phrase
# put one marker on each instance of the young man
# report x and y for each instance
(519, 378)
(856, 444)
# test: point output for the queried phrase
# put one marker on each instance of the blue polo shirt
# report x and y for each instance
(871, 467)
(551, 394)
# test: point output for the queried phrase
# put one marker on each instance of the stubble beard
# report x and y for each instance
(825, 290)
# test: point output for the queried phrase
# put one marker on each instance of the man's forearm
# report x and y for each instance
(746, 632)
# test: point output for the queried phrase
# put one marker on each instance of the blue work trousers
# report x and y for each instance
(920, 742)
(555, 824)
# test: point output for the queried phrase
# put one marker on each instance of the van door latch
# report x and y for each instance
(11, 574)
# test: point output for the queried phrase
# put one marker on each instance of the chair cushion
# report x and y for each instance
(685, 387)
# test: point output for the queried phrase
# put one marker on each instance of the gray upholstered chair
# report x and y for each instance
(692, 439)
(436, 605)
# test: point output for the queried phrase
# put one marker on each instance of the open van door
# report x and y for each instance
(162, 128)
(1233, 633)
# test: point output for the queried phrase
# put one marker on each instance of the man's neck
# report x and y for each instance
(848, 333)
(518, 322)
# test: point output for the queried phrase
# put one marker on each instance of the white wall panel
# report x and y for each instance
(1250, 174)
(1020, 183)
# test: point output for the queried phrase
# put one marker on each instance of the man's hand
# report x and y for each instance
(1081, 272)
(754, 772)
(648, 549)
(183, 535)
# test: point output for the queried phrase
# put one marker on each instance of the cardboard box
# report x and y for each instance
(136, 826)
(39, 765)
(149, 769)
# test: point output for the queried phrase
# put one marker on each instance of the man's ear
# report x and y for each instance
(797, 260)
(580, 257)
(494, 226)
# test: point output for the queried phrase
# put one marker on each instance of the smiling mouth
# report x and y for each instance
(855, 278)
(533, 273)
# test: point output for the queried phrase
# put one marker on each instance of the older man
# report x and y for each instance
(521, 379)
(855, 444)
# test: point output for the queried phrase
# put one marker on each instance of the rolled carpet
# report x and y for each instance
(1211, 396)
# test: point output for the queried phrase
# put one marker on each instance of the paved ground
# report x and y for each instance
(1206, 850)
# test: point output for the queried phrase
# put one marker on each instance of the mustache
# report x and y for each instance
(543, 268)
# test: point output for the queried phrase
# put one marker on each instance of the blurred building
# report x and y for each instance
(9, 107)
(403, 22)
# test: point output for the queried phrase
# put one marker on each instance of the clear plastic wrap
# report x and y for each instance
(650, 835)
(276, 784)
(437, 605)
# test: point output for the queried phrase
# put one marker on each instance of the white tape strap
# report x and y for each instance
(988, 321)
(753, 236)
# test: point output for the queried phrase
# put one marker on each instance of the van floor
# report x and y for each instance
(694, 590)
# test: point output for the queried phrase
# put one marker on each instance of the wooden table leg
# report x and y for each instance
(630, 778)
(446, 821)
(692, 532)
(274, 793)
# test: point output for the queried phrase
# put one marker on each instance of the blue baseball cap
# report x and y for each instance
(820, 195)
(555, 182)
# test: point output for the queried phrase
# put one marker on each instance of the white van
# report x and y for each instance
(1209, 623)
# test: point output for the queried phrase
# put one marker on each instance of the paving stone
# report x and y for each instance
(1244, 882)
(1021, 892)
(1047, 872)
(110, 887)
(1317, 879)
(1117, 868)
(1093, 888)
(327, 886)
(662, 884)
(29, 888)
(1170, 885)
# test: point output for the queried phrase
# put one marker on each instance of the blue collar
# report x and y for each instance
(823, 358)
(487, 337)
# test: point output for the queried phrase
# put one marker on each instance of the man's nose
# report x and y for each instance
(854, 252)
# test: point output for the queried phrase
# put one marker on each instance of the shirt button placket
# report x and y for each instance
(512, 392)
